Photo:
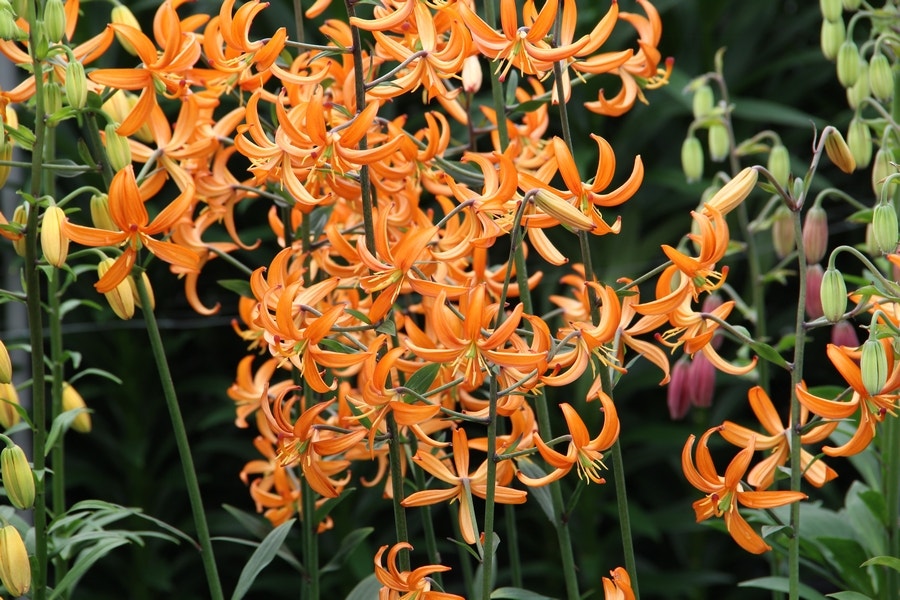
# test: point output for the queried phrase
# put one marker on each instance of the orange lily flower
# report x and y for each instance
(583, 452)
(872, 408)
(126, 207)
(414, 585)
(465, 485)
(725, 494)
(250, 390)
(618, 587)
(762, 475)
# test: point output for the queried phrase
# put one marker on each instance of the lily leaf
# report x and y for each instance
(350, 542)
(888, 561)
(849, 596)
(781, 584)
(61, 423)
(541, 494)
(512, 593)
(769, 353)
(366, 589)
(260, 528)
(85, 561)
(421, 380)
(261, 557)
(238, 286)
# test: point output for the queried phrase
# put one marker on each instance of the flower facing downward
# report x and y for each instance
(416, 582)
(617, 587)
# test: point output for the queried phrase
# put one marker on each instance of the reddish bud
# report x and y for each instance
(814, 276)
(676, 395)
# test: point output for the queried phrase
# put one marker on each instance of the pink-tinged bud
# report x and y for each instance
(885, 228)
(472, 74)
(692, 159)
(71, 400)
(18, 479)
(848, 61)
(881, 77)
(711, 303)
(838, 152)
(9, 400)
(701, 381)
(859, 140)
(54, 242)
(833, 34)
(783, 237)
(833, 295)
(814, 276)
(703, 101)
(815, 234)
(676, 395)
(873, 365)
(120, 298)
(15, 568)
(5, 364)
(844, 334)
(719, 145)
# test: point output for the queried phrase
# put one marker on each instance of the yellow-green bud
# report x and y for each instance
(119, 106)
(5, 364)
(9, 30)
(838, 152)
(20, 217)
(9, 400)
(18, 478)
(881, 77)
(100, 215)
(815, 234)
(149, 288)
(885, 228)
(15, 569)
(874, 366)
(848, 63)
(851, 4)
(703, 101)
(117, 148)
(71, 400)
(120, 298)
(76, 85)
(20, 7)
(859, 140)
(881, 168)
(6, 149)
(833, 295)
(54, 243)
(734, 192)
(562, 211)
(831, 9)
(54, 20)
(783, 238)
(833, 35)
(718, 142)
(779, 164)
(122, 15)
(692, 159)
(859, 91)
(53, 99)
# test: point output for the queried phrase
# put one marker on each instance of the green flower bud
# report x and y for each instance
(9, 400)
(692, 158)
(833, 35)
(100, 215)
(815, 234)
(838, 152)
(881, 168)
(859, 140)
(718, 142)
(18, 479)
(54, 20)
(9, 31)
(71, 400)
(874, 366)
(779, 164)
(5, 364)
(783, 239)
(703, 101)
(117, 148)
(53, 99)
(848, 63)
(881, 77)
(833, 294)
(859, 91)
(885, 228)
(851, 4)
(76, 85)
(831, 9)
(20, 217)
(15, 569)
(20, 7)
(54, 243)
(120, 298)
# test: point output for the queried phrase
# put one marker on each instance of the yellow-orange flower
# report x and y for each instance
(617, 587)
(414, 585)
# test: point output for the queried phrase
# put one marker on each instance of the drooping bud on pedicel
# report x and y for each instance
(136, 294)
(53, 102)
(677, 398)
(6, 143)
(54, 20)
(838, 152)
(718, 142)
(859, 91)
(9, 30)
(844, 334)
(859, 139)
(848, 63)
(20, 217)
(701, 381)
(814, 276)
(5, 364)
(873, 364)
(833, 34)
(703, 101)
(472, 74)
(71, 400)
(885, 227)
(9, 400)
(117, 149)
(833, 295)
(881, 168)
(122, 15)
(54, 242)
(783, 237)
(881, 77)
(15, 569)
(120, 298)
(851, 4)
(815, 234)
(18, 478)
(692, 159)
(779, 164)
(100, 215)
(76, 85)
(562, 211)
(831, 9)
(734, 192)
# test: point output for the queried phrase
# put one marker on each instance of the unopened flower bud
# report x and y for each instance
(881, 77)
(120, 298)
(833, 295)
(71, 400)
(76, 85)
(814, 276)
(831, 9)
(838, 152)
(20, 7)
(472, 74)
(885, 228)
(119, 106)
(859, 92)
(703, 101)
(53, 100)
(779, 164)
(815, 234)
(5, 364)
(100, 215)
(677, 398)
(718, 142)
(15, 569)
(54, 242)
(859, 140)
(9, 30)
(20, 217)
(137, 296)
(848, 63)
(843, 333)
(117, 148)
(18, 478)
(122, 15)
(54, 20)
(783, 238)
(734, 192)
(874, 366)
(562, 211)
(6, 150)
(851, 4)
(833, 34)
(9, 400)
(881, 168)
(701, 381)
(692, 159)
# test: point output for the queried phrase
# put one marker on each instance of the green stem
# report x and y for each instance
(57, 362)
(490, 17)
(487, 560)
(181, 441)
(434, 556)
(310, 587)
(395, 457)
(891, 479)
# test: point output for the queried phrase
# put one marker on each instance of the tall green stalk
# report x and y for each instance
(181, 441)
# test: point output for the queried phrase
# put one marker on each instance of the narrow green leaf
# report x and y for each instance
(263, 555)
(85, 561)
(387, 327)
(511, 593)
(886, 561)
(421, 380)
(769, 353)
(366, 589)
(239, 286)
(849, 596)
(541, 494)
(350, 542)
(781, 584)
(325, 509)
(260, 528)
(61, 423)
